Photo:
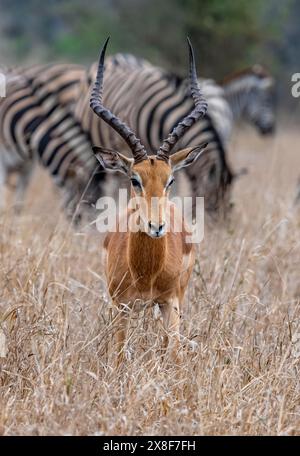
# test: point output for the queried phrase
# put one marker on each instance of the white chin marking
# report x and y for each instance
(154, 235)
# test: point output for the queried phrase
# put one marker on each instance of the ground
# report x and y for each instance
(242, 309)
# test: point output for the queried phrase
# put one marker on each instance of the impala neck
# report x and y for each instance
(146, 255)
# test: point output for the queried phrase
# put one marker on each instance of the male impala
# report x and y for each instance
(153, 264)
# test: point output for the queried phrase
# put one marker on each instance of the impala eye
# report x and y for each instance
(171, 182)
(136, 183)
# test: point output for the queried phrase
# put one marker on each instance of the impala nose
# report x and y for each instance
(157, 230)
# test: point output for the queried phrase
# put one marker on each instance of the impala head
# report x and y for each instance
(151, 176)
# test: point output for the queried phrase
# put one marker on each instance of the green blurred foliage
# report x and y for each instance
(226, 34)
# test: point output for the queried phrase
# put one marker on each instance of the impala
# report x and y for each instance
(154, 263)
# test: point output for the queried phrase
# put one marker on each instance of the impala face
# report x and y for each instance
(151, 182)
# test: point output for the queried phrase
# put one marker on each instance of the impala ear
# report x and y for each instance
(186, 157)
(113, 161)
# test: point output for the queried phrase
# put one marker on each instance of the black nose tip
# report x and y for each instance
(160, 227)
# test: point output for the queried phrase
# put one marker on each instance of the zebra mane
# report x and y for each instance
(12, 77)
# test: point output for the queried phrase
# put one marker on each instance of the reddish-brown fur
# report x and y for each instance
(152, 262)
(153, 270)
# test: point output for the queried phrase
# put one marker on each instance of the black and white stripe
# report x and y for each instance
(37, 125)
(151, 102)
(250, 94)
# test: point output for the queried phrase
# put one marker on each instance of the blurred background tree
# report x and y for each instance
(227, 34)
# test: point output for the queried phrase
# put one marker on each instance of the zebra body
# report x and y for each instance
(137, 78)
(151, 102)
(36, 122)
(247, 95)
(149, 99)
(37, 125)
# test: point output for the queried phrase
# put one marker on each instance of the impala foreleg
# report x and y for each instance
(171, 321)
(121, 322)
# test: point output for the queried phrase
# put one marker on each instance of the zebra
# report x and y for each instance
(151, 101)
(250, 94)
(36, 124)
(246, 93)
(213, 176)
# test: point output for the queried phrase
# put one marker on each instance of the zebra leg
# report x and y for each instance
(23, 180)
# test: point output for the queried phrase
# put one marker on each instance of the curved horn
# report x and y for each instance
(138, 150)
(198, 112)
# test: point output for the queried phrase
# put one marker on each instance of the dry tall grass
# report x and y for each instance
(242, 308)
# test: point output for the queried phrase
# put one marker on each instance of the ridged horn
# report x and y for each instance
(138, 150)
(198, 112)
